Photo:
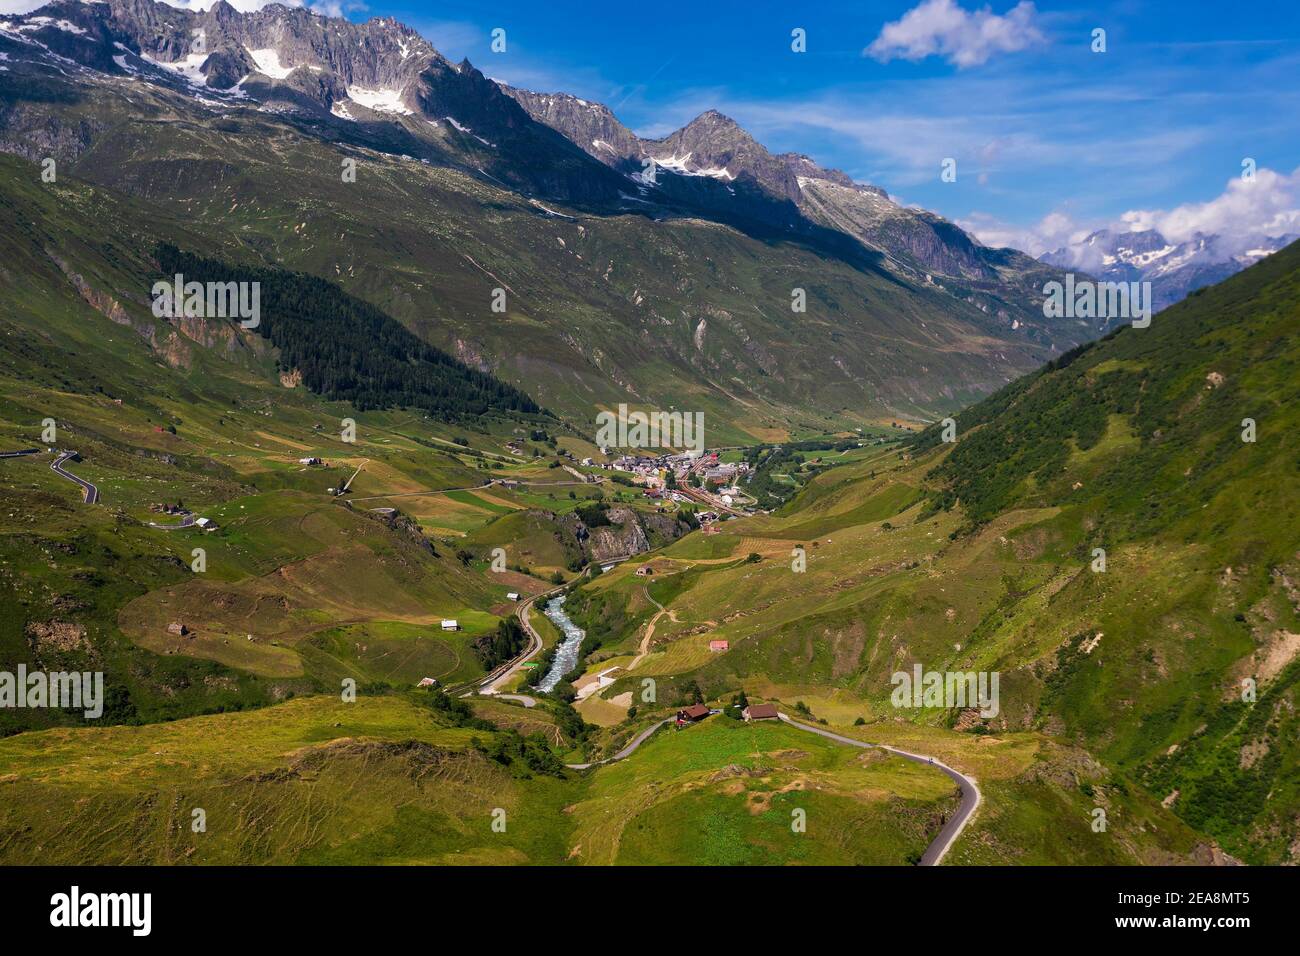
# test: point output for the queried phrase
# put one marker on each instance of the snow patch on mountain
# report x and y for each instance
(268, 63)
(381, 101)
(189, 69)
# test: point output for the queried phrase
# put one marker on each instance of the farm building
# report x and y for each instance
(427, 682)
(177, 628)
(761, 712)
(512, 595)
(688, 715)
(717, 647)
(450, 625)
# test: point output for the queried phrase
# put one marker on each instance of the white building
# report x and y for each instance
(450, 625)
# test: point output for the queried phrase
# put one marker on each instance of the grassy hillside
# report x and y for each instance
(981, 556)
(241, 716)
(297, 590)
(601, 306)
(388, 780)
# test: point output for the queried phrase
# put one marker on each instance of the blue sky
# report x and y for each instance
(1051, 139)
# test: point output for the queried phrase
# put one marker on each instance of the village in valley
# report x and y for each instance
(563, 481)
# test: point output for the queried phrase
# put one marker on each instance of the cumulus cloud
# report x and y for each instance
(1053, 231)
(1244, 215)
(965, 38)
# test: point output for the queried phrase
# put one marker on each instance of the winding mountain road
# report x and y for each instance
(970, 791)
(934, 853)
(939, 846)
(627, 751)
(88, 490)
(490, 683)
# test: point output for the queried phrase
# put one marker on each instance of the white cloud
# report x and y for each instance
(1243, 213)
(964, 38)
(1242, 216)
(1053, 231)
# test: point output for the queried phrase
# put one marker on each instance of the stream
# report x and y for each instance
(566, 652)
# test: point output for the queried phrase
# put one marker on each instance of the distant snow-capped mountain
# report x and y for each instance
(715, 163)
(380, 85)
(1174, 269)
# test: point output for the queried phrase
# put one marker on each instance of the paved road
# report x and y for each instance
(490, 683)
(90, 492)
(970, 791)
(627, 751)
(20, 454)
(502, 673)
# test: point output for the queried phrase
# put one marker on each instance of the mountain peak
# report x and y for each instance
(713, 118)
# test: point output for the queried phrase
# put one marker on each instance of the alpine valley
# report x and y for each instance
(358, 574)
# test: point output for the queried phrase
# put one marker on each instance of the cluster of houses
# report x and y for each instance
(178, 510)
(697, 712)
(656, 467)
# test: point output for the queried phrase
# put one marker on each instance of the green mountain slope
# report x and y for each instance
(648, 304)
(981, 556)
(298, 590)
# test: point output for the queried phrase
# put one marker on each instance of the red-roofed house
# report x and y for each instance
(688, 715)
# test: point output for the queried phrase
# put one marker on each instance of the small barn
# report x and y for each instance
(761, 712)
(717, 647)
(450, 624)
(689, 715)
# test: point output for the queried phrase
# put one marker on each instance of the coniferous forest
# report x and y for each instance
(349, 350)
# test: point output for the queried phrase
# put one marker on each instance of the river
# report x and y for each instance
(566, 652)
